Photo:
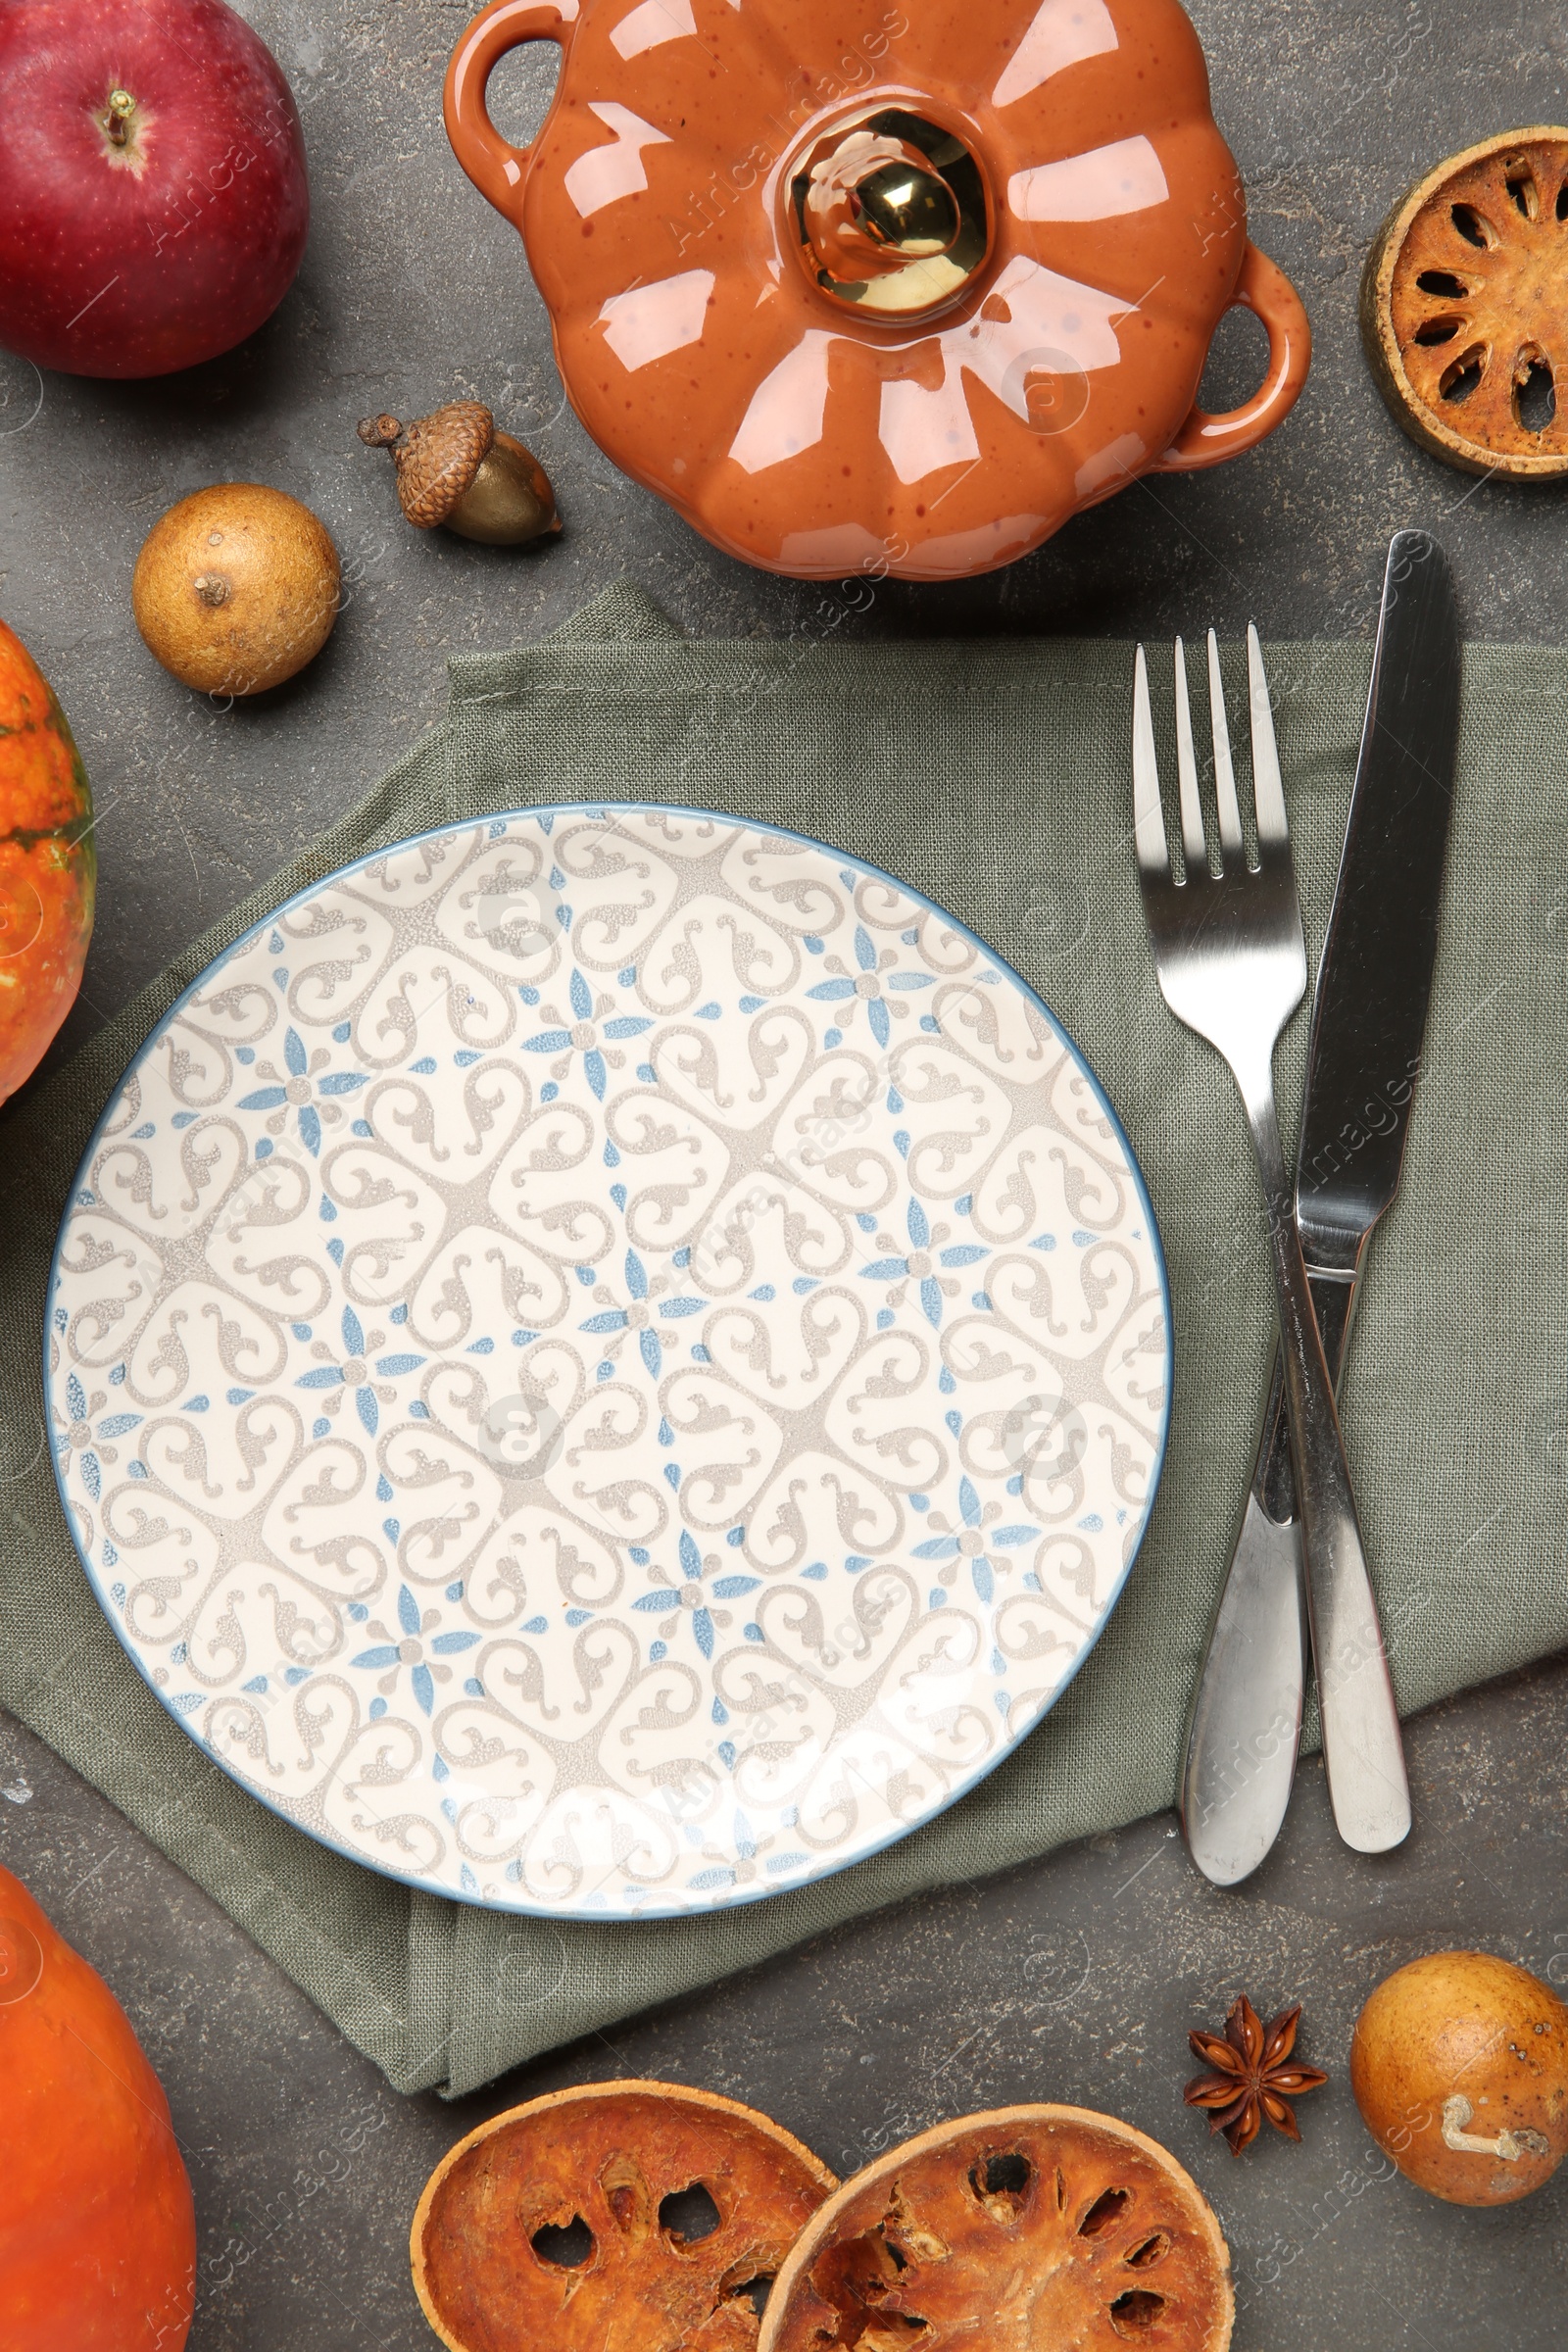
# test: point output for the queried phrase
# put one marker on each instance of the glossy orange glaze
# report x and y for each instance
(799, 433)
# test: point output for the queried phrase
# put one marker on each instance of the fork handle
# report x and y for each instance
(1362, 1749)
(1245, 1726)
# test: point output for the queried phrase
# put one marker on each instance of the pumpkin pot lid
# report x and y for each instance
(903, 300)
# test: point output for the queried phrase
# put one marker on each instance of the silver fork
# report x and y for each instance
(1232, 965)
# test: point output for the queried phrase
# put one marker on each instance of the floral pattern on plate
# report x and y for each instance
(608, 1361)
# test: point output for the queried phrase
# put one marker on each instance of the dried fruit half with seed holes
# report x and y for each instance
(1028, 2227)
(1464, 307)
(645, 2214)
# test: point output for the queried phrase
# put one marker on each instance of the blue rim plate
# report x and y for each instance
(609, 1361)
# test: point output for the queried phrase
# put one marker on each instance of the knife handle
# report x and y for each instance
(1334, 1298)
(1245, 1727)
(1363, 1753)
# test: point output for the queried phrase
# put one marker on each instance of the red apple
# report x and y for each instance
(152, 200)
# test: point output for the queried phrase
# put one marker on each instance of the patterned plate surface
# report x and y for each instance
(609, 1363)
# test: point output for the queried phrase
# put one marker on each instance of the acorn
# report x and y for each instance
(458, 467)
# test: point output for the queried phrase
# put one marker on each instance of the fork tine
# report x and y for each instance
(1194, 849)
(1148, 818)
(1229, 816)
(1273, 830)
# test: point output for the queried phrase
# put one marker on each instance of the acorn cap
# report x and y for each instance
(436, 457)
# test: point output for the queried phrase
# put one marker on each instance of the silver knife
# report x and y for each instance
(1363, 1059)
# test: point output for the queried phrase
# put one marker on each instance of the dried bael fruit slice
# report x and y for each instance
(1026, 2227)
(644, 2215)
(1464, 307)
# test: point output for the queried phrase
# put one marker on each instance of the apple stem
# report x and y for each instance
(117, 119)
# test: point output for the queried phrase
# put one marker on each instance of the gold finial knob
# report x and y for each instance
(891, 213)
(909, 207)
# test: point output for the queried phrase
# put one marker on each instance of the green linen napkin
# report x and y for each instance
(993, 776)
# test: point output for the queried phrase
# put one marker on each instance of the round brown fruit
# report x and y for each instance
(1460, 2065)
(644, 2214)
(1029, 2226)
(237, 588)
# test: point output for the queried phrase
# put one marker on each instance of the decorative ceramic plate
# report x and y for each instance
(609, 1361)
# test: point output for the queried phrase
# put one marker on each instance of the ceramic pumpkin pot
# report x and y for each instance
(97, 2233)
(889, 291)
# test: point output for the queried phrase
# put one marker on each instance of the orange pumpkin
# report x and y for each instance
(47, 865)
(97, 2234)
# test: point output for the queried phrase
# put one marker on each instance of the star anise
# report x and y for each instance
(1251, 2076)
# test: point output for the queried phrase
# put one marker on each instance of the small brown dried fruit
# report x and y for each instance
(1251, 2073)
(237, 588)
(458, 467)
(1459, 2066)
(645, 2214)
(1463, 304)
(1018, 2230)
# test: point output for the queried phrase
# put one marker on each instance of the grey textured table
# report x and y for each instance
(1076, 1979)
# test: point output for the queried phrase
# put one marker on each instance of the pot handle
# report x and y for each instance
(497, 169)
(1205, 440)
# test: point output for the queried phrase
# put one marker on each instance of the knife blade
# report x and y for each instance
(1363, 1060)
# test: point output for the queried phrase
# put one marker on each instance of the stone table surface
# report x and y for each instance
(1075, 1979)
